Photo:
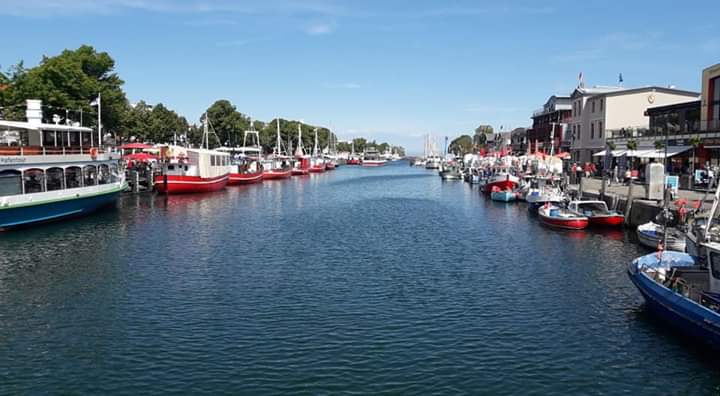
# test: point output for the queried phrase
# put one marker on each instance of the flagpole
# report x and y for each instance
(99, 119)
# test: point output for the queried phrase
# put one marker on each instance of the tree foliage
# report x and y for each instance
(461, 145)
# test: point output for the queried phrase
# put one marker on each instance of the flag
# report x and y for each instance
(620, 79)
(95, 101)
(580, 77)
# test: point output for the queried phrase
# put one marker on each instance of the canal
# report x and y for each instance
(375, 281)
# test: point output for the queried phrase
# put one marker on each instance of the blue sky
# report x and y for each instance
(389, 70)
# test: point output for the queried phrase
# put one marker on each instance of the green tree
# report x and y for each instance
(461, 145)
(71, 80)
(227, 123)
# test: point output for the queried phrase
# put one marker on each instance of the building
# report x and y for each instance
(518, 138)
(617, 113)
(710, 101)
(549, 129)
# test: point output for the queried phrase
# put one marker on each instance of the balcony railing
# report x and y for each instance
(689, 128)
(39, 150)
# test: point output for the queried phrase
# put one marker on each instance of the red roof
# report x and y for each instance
(141, 157)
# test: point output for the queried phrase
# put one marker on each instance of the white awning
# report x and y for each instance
(660, 153)
(615, 153)
(599, 154)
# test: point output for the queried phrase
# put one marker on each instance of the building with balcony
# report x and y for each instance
(600, 113)
(549, 129)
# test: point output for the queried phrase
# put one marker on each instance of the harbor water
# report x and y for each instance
(362, 280)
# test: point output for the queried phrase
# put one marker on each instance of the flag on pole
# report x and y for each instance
(94, 102)
(620, 79)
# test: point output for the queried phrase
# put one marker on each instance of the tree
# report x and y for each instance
(71, 81)
(481, 135)
(461, 145)
(227, 123)
(632, 144)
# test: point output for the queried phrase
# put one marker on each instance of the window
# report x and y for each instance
(103, 174)
(10, 183)
(89, 175)
(715, 264)
(600, 129)
(48, 138)
(579, 131)
(593, 106)
(601, 105)
(579, 108)
(212, 160)
(113, 173)
(55, 179)
(73, 177)
(592, 130)
(34, 180)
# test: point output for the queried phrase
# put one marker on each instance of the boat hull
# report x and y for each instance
(502, 196)
(611, 220)
(300, 172)
(190, 184)
(236, 179)
(329, 166)
(352, 162)
(317, 169)
(42, 212)
(683, 314)
(652, 241)
(277, 174)
(373, 163)
(570, 222)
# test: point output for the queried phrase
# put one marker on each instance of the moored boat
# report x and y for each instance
(652, 235)
(52, 171)
(278, 165)
(501, 180)
(502, 196)
(683, 292)
(555, 216)
(245, 161)
(597, 213)
(371, 158)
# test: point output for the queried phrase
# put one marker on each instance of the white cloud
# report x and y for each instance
(318, 29)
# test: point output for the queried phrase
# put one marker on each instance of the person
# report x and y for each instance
(628, 174)
(573, 173)
(615, 174)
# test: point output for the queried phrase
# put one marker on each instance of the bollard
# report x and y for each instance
(628, 203)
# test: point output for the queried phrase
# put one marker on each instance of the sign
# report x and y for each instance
(12, 160)
(673, 182)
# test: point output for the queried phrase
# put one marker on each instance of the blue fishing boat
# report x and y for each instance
(681, 291)
(53, 171)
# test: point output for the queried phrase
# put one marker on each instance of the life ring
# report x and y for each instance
(93, 152)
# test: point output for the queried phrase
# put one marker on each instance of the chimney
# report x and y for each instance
(34, 111)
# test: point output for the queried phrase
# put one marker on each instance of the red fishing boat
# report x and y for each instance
(187, 170)
(278, 165)
(245, 165)
(329, 164)
(503, 181)
(597, 213)
(555, 216)
(317, 162)
(301, 166)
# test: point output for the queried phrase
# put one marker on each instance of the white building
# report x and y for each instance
(597, 110)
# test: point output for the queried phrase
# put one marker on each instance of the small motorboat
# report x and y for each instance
(652, 236)
(555, 216)
(502, 195)
(449, 171)
(682, 291)
(597, 212)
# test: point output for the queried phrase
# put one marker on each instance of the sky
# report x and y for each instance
(387, 70)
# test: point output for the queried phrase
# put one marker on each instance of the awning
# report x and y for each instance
(660, 153)
(615, 153)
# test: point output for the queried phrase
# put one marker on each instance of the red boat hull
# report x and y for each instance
(329, 166)
(608, 221)
(568, 224)
(317, 169)
(300, 172)
(352, 162)
(189, 184)
(502, 185)
(277, 174)
(244, 178)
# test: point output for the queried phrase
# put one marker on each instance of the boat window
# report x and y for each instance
(48, 138)
(74, 139)
(113, 173)
(715, 264)
(73, 177)
(103, 174)
(10, 183)
(86, 138)
(171, 167)
(34, 180)
(55, 179)
(89, 175)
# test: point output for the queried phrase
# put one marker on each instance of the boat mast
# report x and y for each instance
(300, 148)
(206, 133)
(277, 144)
(315, 148)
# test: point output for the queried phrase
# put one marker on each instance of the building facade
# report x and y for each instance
(519, 140)
(549, 129)
(617, 113)
(710, 101)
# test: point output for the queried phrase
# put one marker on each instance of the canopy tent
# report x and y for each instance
(135, 146)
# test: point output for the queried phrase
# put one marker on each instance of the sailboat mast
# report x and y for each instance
(206, 133)
(277, 144)
(315, 147)
(300, 142)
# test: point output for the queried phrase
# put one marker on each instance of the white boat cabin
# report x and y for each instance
(196, 162)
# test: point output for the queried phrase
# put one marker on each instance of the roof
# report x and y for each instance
(130, 146)
(694, 104)
(596, 90)
(42, 127)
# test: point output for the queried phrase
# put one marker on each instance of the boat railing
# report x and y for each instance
(678, 285)
(41, 150)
